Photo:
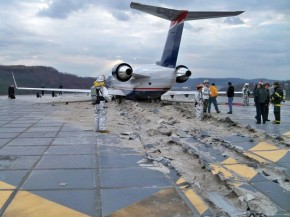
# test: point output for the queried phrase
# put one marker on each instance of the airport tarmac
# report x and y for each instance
(53, 167)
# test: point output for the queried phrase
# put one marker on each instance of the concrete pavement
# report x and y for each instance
(49, 167)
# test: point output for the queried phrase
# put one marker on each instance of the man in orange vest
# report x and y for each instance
(212, 98)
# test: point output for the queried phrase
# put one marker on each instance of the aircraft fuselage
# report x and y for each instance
(148, 81)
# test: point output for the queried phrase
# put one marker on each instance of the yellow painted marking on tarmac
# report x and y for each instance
(26, 204)
(263, 146)
(196, 201)
(287, 134)
(164, 203)
(255, 157)
(181, 180)
(182, 183)
(4, 185)
(241, 169)
(4, 195)
(218, 169)
(273, 156)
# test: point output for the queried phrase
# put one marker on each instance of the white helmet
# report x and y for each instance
(101, 78)
(246, 84)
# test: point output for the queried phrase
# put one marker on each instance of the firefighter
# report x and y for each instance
(199, 102)
(246, 93)
(267, 102)
(205, 95)
(276, 99)
(100, 111)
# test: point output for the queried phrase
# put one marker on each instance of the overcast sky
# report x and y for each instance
(87, 37)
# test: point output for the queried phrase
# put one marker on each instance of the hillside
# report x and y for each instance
(35, 76)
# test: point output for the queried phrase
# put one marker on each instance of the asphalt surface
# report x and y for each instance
(49, 167)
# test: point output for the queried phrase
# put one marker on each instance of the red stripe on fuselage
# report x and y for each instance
(179, 19)
(142, 89)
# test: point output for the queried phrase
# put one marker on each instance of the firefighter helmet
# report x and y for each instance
(199, 86)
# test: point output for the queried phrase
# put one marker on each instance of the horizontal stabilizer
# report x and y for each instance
(172, 14)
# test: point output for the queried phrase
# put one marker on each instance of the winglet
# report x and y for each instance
(14, 80)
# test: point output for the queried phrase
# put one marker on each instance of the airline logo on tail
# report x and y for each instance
(180, 19)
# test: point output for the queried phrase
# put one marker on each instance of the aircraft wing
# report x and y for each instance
(224, 92)
(179, 96)
(55, 89)
(51, 89)
(116, 92)
(185, 96)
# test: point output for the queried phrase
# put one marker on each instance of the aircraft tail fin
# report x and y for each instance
(177, 18)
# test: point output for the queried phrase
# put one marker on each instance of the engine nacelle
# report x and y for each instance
(182, 74)
(122, 72)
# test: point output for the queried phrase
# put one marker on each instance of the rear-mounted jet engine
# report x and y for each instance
(182, 74)
(122, 72)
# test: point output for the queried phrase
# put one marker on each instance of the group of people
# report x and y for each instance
(263, 98)
(205, 96)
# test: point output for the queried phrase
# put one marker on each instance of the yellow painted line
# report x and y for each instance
(273, 156)
(196, 201)
(287, 134)
(216, 169)
(255, 157)
(4, 195)
(26, 204)
(182, 183)
(4, 185)
(241, 169)
(263, 146)
(179, 181)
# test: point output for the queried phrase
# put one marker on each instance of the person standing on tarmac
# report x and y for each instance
(230, 95)
(212, 98)
(267, 102)
(11, 92)
(261, 96)
(276, 99)
(100, 111)
(199, 102)
(246, 94)
(205, 95)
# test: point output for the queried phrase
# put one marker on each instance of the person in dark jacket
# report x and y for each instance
(276, 99)
(230, 95)
(255, 95)
(267, 102)
(261, 97)
(11, 92)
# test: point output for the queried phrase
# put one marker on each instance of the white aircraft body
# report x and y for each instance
(152, 81)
